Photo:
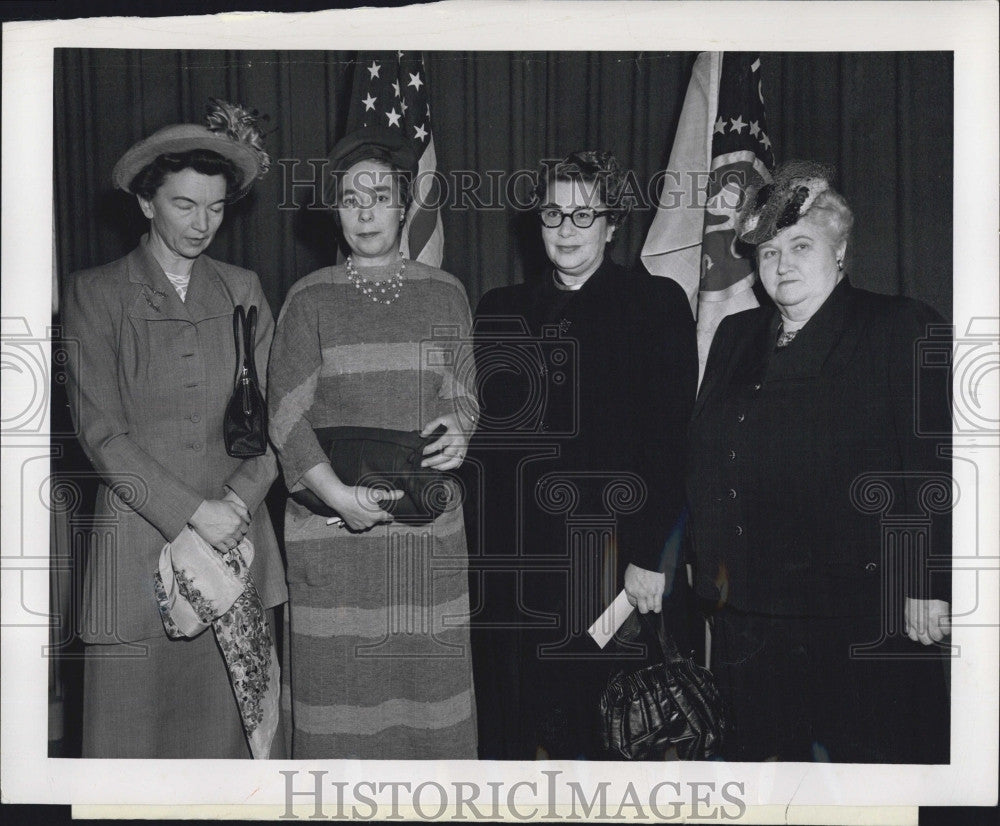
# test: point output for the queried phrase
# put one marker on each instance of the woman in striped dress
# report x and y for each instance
(379, 645)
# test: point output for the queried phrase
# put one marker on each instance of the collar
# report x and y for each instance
(816, 340)
(156, 298)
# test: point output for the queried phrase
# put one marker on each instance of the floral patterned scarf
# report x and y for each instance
(197, 586)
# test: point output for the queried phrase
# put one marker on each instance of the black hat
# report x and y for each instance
(373, 143)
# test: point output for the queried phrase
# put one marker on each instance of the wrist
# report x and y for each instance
(335, 492)
(196, 516)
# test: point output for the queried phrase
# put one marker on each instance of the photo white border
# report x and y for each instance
(969, 29)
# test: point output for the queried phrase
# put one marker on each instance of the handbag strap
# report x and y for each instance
(655, 627)
(239, 319)
(249, 334)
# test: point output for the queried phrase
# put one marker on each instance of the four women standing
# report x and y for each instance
(791, 569)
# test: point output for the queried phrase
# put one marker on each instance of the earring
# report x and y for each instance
(840, 264)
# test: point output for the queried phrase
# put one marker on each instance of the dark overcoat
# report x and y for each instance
(804, 459)
(152, 376)
(819, 486)
(584, 403)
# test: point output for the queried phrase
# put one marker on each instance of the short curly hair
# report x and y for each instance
(588, 167)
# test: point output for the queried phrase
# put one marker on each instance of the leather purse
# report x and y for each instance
(245, 421)
(387, 459)
(669, 710)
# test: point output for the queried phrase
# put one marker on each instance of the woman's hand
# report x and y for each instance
(222, 523)
(447, 452)
(926, 620)
(359, 506)
(644, 589)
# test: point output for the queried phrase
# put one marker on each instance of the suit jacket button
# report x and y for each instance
(732, 493)
(757, 386)
(739, 530)
(741, 417)
(732, 455)
(871, 566)
(196, 446)
(195, 418)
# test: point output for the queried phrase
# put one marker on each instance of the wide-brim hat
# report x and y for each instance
(774, 206)
(232, 132)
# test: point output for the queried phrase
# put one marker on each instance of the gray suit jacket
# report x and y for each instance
(153, 375)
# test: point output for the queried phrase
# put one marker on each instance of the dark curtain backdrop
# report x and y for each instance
(884, 119)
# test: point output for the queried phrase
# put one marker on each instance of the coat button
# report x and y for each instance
(871, 566)
(732, 455)
(196, 446)
(732, 493)
(741, 417)
(757, 386)
(195, 418)
(739, 530)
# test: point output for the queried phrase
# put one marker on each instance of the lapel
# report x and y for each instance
(816, 342)
(747, 360)
(156, 299)
(208, 295)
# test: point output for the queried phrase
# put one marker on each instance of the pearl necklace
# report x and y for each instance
(381, 292)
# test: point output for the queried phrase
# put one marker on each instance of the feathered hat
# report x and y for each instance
(771, 207)
(229, 130)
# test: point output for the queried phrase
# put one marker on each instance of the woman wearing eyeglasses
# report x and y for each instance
(587, 380)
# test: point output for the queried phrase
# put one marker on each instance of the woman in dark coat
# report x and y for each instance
(153, 371)
(587, 379)
(819, 513)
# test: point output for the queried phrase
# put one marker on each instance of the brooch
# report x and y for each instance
(156, 292)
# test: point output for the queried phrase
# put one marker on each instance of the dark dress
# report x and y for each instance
(819, 501)
(585, 397)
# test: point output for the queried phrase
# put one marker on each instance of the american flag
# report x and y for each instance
(390, 90)
(722, 131)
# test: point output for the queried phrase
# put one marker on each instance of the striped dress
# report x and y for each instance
(379, 630)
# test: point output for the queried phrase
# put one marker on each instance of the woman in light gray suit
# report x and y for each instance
(153, 372)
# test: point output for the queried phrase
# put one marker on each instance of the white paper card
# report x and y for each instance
(611, 620)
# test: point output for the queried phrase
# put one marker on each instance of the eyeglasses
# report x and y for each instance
(582, 218)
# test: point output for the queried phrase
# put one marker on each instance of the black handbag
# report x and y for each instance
(670, 710)
(245, 423)
(387, 459)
